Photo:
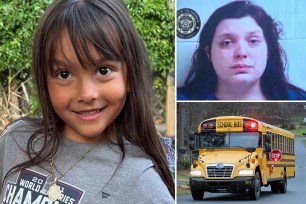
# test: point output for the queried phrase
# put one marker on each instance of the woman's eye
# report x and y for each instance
(104, 71)
(227, 42)
(253, 41)
(63, 75)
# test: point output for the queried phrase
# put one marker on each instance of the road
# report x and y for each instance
(296, 191)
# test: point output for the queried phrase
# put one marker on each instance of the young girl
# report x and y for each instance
(96, 141)
(239, 57)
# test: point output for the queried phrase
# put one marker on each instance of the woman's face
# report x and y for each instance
(239, 51)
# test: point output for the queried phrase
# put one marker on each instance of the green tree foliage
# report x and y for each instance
(18, 21)
(17, 24)
(154, 20)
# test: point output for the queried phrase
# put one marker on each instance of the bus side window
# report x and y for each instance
(268, 142)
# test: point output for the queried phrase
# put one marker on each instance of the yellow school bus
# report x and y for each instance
(240, 154)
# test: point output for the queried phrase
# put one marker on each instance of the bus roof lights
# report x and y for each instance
(250, 125)
(208, 125)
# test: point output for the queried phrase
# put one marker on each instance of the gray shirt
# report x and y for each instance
(95, 179)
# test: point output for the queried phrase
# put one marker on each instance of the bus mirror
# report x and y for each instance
(268, 147)
(268, 138)
(191, 146)
(191, 135)
(182, 150)
(251, 149)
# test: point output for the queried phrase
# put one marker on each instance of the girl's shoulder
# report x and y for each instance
(19, 131)
(136, 158)
(149, 180)
(139, 165)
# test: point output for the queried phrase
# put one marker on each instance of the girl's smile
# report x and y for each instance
(89, 115)
(88, 99)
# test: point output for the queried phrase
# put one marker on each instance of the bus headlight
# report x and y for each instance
(196, 173)
(246, 172)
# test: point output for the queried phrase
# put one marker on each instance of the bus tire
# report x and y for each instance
(197, 194)
(254, 192)
(282, 186)
(274, 187)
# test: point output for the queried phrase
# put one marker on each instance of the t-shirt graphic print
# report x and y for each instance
(31, 188)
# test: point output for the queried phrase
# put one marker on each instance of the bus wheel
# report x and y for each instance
(254, 192)
(283, 184)
(274, 187)
(197, 194)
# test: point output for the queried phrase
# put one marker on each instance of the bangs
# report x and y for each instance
(84, 22)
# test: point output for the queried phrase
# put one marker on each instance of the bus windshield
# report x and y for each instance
(229, 139)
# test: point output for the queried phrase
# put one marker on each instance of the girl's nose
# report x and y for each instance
(241, 51)
(88, 91)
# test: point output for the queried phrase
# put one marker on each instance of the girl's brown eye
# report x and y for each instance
(63, 75)
(104, 71)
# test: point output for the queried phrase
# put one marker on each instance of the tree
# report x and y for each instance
(154, 20)
(17, 23)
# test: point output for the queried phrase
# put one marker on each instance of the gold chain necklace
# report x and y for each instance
(54, 192)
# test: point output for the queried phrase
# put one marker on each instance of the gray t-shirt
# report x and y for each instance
(93, 180)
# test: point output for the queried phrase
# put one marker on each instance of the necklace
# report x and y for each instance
(54, 192)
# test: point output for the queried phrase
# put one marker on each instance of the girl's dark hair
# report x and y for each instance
(202, 77)
(107, 26)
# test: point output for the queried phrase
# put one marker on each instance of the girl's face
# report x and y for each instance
(239, 51)
(87, 99)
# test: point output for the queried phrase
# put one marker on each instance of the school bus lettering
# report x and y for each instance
(224, 124)
(238, 124)
(233, 125)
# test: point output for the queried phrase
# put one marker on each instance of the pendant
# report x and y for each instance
(54, 192)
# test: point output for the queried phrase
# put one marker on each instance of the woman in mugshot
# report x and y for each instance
(239, 57)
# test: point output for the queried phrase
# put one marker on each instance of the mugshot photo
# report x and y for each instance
(240, 50)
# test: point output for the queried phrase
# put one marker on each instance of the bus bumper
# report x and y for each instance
(238, 184)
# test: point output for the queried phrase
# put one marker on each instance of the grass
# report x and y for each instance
(182, 176)
(182, 191)
(299, 132)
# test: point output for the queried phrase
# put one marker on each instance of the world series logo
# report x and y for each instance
(188, 23)
(31, 188)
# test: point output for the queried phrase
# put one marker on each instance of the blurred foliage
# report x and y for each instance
(154, 20)
(17, 24)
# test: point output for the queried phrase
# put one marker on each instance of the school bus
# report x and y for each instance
(240, 154)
